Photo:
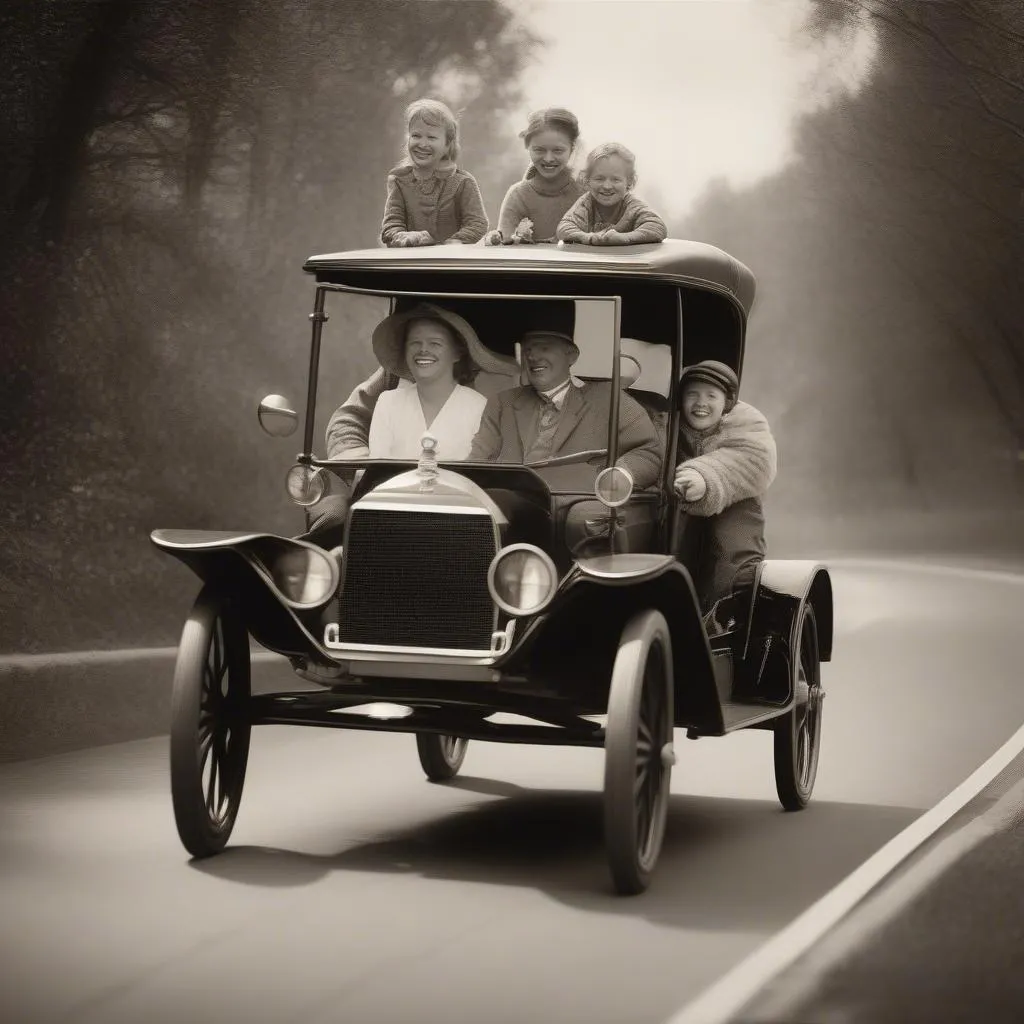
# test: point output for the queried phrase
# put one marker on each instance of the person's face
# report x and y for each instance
(430, 351)
(426, 143)
(703, 404)
(548, 361)
(609, 180)
(549, 152)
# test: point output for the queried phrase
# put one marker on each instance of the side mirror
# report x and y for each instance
(277, 417)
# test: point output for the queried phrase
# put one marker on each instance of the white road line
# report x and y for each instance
(736, 988)
(899, 894)
(71, 658)
(928, 566)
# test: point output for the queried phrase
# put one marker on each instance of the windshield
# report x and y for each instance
(482, 335)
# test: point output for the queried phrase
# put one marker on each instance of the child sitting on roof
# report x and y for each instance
(532, 207)
(431, 200)
(730, 460)
(609, 213)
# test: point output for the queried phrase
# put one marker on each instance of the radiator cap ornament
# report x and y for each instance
(427, 468)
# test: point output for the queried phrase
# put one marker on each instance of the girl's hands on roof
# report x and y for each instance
(410, 238)
(689, 484)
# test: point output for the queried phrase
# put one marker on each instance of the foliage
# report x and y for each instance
(885, 340)
(174, 162)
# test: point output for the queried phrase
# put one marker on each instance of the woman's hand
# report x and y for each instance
(613, 237)
(689, 484)
(494, 237)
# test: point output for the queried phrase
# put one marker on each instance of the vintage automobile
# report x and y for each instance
(439, 607)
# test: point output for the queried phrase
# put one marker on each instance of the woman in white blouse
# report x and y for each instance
(439, 354)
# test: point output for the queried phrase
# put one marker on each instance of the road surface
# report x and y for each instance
(353, 890)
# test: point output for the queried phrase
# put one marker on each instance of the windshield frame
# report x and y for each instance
(320, 315)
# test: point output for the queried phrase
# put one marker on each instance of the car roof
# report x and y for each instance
(693, 264)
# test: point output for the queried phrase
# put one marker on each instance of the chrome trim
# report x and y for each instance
(510, 609)
(597, 486)
(404, 488)
(317, 474)
(264, 570)
(501, 641)
(362, 667)
(412, 505)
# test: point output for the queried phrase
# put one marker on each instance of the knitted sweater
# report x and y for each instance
(737, 459)
(448, 204)
(544, 202)
(632, 216)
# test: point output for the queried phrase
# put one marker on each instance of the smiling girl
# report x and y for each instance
(431, 200)
(609, 213)
(548, 188)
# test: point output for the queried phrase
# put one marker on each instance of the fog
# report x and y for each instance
(169, 165)
(701, 90)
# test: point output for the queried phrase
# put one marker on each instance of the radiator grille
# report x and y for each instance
(418, 579)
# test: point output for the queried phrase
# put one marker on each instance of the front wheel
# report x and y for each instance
(441, 757)
(798, 732)
(638, 751)
(210, 728)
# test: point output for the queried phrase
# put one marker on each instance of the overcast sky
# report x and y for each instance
(698, 89)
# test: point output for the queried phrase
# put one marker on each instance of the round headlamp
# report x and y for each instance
(522, 579)
(305, 576)
(306, 485)
(614, 486)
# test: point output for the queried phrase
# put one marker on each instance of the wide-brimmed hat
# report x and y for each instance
(389, 341)
(716, 373)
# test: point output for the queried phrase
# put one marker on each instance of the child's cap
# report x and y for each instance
(714, 372)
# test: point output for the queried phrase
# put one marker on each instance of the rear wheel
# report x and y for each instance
(441, 757)
(210, 729)
(798, 732)
(638, 752)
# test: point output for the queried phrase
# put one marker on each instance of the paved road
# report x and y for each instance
(355, 891)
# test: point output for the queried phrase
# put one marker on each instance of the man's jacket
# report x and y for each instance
(508, 422)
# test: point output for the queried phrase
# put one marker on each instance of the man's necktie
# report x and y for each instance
(546, 424)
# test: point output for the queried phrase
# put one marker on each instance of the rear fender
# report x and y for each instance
(232, 562)
(782, 590)
(574, 642)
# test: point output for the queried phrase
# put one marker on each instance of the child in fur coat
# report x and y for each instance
(730, 461)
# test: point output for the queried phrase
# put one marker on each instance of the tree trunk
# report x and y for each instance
(57, 163)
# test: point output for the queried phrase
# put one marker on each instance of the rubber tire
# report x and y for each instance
(434, 759)
(795, 793)
(201, 834)
(631, 870)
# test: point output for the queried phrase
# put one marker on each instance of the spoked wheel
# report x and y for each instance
(209, 725)
(440, 756)
(798, 732)
(638, 755)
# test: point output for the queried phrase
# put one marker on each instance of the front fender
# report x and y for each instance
(573, 643)
(241, 567)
